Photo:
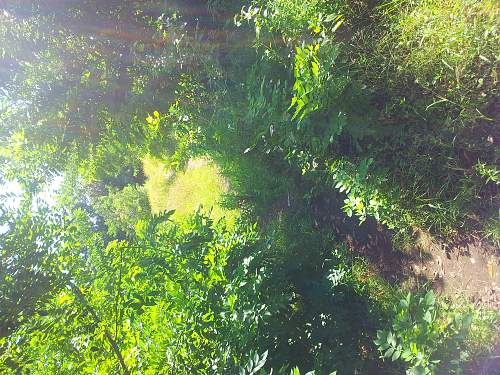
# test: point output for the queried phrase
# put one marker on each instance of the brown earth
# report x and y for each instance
(470, 268)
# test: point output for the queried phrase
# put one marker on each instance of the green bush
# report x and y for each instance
(294, 19)
(422, 334)
(122, 209)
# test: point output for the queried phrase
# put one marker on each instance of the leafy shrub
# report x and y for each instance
(328, 316)
(121, 209)
(294, 19)
(186, 298)
(421, 335)
(315, 85)
(214, 308)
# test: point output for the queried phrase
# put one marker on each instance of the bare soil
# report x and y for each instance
(470, 268)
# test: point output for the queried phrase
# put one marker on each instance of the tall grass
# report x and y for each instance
(450, 48)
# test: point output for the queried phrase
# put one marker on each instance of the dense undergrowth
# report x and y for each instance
(392, 103)
(401, 105)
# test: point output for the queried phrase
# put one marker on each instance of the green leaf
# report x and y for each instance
(337, 25)
(208, 317)
(315, 68)
(332, 17)
(391, 339)
(260, 362)
(396, 355)
(428, 317)
(430, 298)
(406, 355)
(389, 352)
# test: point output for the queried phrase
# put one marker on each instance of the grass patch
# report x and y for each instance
(156, 184)
(199, 185)
(449, 47)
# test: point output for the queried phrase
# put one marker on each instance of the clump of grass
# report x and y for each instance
(492, 229)
(200, 184)
(449, 47)
(483, 336)
(433, 65)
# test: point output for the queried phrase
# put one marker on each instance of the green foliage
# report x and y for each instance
(206, 331)
(121, 209)
(366, 93)
(177, 299)
(23, 253)
(329, 314)
(315, 85)
(422, 332)
(428, 63)
(488, 172)
(369, 100)
(186, 297)
(365, 195)
(306, 71)
(492, 229)
(294, 19)
(78, 86)
(255, 364)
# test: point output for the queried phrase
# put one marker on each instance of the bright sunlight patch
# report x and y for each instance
(200, 184)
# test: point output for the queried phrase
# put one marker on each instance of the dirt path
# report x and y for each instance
(469, 268)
